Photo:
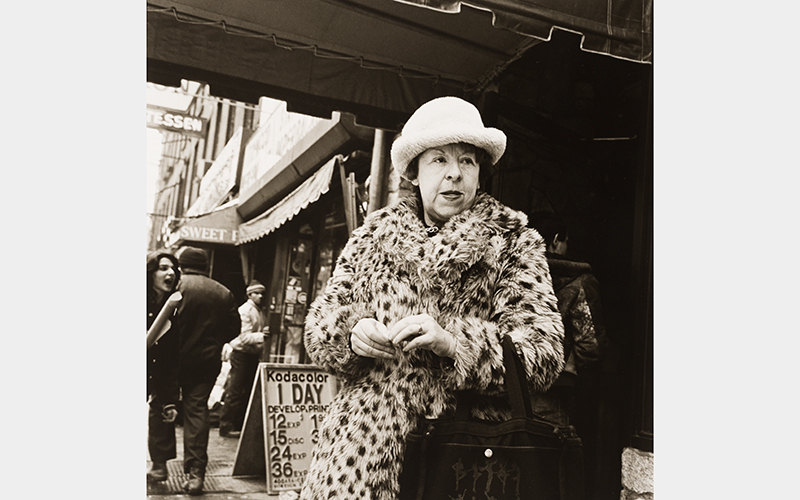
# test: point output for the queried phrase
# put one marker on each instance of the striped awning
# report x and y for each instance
(307, 193)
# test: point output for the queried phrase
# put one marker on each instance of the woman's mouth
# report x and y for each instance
(450, 195)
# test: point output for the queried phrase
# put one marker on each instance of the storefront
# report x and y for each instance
(292, 249)
(291, 240)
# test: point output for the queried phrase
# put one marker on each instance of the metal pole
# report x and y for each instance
(378, 169)
(349, 216)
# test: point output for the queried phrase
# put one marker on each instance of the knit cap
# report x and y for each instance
(193, 258)
(255, 286)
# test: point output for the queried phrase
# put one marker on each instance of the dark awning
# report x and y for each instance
(307, 193)
(219, 226)
(377, 59)
(619, 28)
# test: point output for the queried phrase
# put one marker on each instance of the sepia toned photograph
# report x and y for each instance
(400, 250)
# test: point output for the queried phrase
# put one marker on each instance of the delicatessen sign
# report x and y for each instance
(175, 122)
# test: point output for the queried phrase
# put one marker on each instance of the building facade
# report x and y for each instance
(199, 140)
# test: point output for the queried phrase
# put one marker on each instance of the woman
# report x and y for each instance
(162, 366)
(419, 302)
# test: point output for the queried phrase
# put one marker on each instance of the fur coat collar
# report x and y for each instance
(464, 240)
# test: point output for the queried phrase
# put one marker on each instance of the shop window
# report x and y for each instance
(292, 310)
(332, 240)
(304, 263)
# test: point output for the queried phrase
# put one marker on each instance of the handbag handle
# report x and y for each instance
(516, 385)
(516, 381)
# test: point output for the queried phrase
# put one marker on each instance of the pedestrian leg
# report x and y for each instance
(196, 424)
(237, 394)
(160, 434)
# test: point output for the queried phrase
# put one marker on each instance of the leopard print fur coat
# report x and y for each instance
(484, 276)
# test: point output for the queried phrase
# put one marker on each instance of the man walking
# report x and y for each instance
(244, 358)
(585, 340)
(206, 319)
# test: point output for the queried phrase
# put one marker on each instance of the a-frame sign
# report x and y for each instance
(281, 425)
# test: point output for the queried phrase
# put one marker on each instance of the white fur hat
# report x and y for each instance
(445, 120)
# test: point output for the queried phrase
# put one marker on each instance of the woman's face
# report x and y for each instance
(447, 180)
(164, 276)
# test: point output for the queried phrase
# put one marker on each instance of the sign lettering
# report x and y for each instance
(199, 233)
(297, 399)
(175, 122)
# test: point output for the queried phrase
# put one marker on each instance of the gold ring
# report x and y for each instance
(419, 328)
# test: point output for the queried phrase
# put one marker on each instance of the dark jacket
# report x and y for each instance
(578, 296)
(162, 361)
(207, 318)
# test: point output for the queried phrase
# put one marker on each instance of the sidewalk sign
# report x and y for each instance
(281, 425)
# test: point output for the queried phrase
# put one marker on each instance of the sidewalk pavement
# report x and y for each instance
(219, 484)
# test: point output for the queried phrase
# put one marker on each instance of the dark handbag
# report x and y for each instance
(525, 457)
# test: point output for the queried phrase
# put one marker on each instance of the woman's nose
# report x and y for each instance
(453, 171)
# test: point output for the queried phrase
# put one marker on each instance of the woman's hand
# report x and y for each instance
(422, 331)
(369, 339)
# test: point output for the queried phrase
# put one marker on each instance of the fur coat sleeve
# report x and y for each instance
(523, 307)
